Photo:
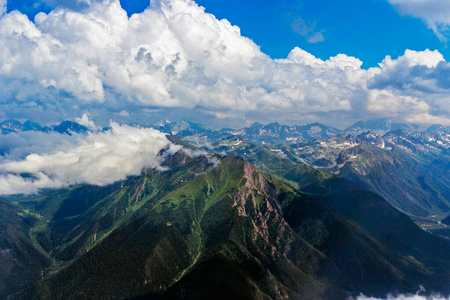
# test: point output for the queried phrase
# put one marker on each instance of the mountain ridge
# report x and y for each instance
(181, 225)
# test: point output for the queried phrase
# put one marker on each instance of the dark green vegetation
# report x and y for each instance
(20, 262)
(229, 232)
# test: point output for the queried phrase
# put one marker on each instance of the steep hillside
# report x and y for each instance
(199, 229)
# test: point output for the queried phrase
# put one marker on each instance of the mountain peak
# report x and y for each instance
(256, 125)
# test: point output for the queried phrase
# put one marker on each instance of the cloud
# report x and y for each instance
(404, 297)
(212, 160)
(435, 13)
(416, 296)
(16, 146)
(316, 37)
(175, 56)
(409, 71)
(308, 31)
(124, 113)
(98, 158)
(85, 121)
(415, 85)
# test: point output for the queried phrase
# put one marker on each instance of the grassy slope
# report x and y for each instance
(232, 226)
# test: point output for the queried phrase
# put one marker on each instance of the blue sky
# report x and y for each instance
(368, 30)
(287, 61)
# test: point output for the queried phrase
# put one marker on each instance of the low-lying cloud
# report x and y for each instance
(175, 55)
(405, 297)
(416, 296)
(212, 160)
(98, 158)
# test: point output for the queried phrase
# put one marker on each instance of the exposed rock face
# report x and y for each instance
(258, 201)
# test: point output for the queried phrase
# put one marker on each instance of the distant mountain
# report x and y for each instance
(9, 126)
(180, 129)
(272, 133)
(410, 170)
(69, 127)
(66, 127)
(33, 126)
(380, 126)
(196, 231)
(275, 133)
(438, 128)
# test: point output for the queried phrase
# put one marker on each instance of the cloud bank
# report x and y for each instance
(99, 158)
(175, 56)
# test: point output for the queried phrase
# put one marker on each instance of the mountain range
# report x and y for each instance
(272, 133)
(266, 217)
(67, 127)
(202, 230)
(410, 170)
(407, 166)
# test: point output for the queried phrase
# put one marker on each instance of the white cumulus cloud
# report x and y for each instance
(415, 85)
(98, 158)
(85, 121)
(175, 55)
